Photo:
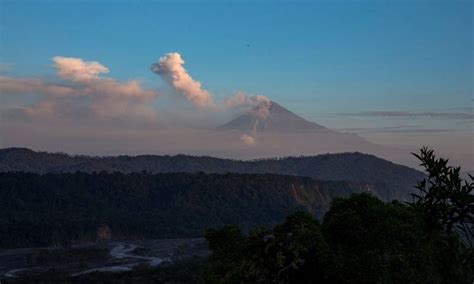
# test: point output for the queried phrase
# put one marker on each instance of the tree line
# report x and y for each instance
(68, 208)
(361, 239)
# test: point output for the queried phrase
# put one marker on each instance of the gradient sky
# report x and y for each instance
(383, 69)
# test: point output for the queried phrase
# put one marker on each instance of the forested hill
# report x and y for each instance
(344, 166)
(39, 210)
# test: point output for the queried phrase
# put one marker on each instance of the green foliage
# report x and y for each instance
(361, 240)
(445, 200)
(51, 209)
(227, 245)
(291, 252)
(378, 242)
(399, 180)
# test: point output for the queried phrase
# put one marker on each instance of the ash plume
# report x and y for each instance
(260, 104)
(170, 68)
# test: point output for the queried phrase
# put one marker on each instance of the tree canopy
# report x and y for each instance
(361, 239)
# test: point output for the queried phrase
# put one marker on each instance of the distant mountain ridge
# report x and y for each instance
(254, 134)
(355, 167)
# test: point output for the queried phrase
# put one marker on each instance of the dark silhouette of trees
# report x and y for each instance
(399, 180)
(445, 199)
(293, 250)
(59, 209)
(361, 239)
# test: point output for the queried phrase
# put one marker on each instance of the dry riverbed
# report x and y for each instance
(114, 256)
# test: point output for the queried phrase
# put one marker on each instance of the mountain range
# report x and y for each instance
(57, 198)
(398, 180)
(250, 135)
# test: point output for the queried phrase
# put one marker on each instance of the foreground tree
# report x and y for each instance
(377, 242)
(291, 252)
(361, 239)
(445, 200)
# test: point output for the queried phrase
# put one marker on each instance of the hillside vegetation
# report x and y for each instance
(40, 210)
(399, 180)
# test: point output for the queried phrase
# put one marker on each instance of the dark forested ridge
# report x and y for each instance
(48, 198)
(48, 209)
(360, 239)
(343, 167)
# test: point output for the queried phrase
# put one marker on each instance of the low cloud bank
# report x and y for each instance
(83, 93)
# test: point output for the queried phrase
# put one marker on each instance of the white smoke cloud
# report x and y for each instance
(260, 108)
(86, 94)
(247, 139)
(170, 68)
(260, 104)
(76, 69)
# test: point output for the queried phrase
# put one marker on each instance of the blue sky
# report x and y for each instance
(319, 58)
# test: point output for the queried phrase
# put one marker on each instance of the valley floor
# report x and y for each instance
(113, 256)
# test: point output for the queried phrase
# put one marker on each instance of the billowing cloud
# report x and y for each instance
(247, 139)
(260, 104)
(260, 108)
(170, 68)
(76, 69)
(85, 94)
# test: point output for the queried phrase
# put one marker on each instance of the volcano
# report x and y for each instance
(277, 133)
(279, 119)
(282, 132)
